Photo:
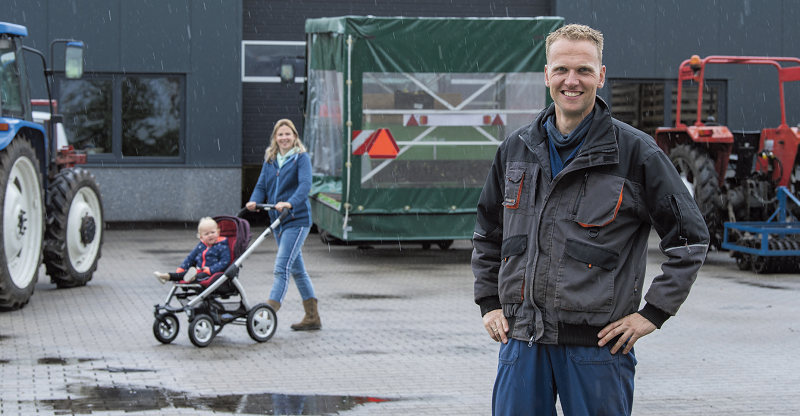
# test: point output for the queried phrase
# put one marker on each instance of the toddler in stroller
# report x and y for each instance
(212, 255)
(219, 299)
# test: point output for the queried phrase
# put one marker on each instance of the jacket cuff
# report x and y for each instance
(654, 315)
(489, 304)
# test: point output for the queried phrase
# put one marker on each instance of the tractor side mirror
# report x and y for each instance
(74, 60)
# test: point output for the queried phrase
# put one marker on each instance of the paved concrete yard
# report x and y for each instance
(399, 325)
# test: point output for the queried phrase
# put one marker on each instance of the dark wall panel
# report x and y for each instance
(95, 22)
(285, 20)
(198, 39)
(156, 35)
(790, 46)
(263, 105)
(31, 17)
(214, 87)
(649, 39)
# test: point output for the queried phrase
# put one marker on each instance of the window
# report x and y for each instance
(11, 103)
(150, 109)
(263, 59)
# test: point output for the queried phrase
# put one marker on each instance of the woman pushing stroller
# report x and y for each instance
(285, 181)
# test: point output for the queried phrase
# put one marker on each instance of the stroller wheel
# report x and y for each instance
(261, 322)
(165, 327)
(201, 330)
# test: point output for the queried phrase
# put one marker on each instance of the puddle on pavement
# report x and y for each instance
(764, 285)
(125, 370)
(368, 296)
(62, 361)
(85, 399)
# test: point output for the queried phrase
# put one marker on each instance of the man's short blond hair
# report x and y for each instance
(576, 32)
(206, 221)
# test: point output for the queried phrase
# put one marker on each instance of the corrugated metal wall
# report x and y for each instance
(648, 39)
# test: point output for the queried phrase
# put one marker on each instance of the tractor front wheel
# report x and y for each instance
(75, 235)
(23, 223)
(698, 174)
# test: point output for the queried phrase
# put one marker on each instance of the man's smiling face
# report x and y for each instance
(573, 73)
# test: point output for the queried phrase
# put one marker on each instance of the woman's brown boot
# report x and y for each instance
(311, 321)
(275, 304)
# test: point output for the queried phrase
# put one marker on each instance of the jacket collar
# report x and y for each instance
(600, 144)
(219, 239)
(600, 134)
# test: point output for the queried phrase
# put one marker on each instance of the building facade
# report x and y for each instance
(158, 110)
(178, 98)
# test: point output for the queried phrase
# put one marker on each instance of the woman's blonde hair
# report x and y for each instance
(272, 151)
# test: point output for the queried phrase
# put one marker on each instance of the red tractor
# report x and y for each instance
(734, 176)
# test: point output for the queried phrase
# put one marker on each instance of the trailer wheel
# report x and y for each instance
(698, 174)
(75, 235)
(23, 223)
(328, 238)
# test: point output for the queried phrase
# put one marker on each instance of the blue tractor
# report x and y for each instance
(52, 211)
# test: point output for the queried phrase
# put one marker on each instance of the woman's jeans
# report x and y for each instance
(289, 261)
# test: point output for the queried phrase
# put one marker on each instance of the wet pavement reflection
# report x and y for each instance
(86, 399)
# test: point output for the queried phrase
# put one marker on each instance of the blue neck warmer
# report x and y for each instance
(564, 148)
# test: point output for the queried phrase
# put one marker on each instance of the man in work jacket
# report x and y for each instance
(560, 245)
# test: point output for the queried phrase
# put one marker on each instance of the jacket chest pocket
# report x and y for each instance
(519, 185)
(599, 200)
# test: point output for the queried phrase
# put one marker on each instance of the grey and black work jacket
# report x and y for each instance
(566, 256)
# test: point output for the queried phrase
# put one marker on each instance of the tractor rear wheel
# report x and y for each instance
(75, 235)
(697, 171)
(23, 223)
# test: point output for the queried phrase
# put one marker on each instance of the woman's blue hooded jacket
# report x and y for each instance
(291, 184)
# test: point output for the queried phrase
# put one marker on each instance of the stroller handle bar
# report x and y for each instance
(262, 207)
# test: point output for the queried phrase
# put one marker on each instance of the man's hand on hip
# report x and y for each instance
(496, 325)
(632, 327)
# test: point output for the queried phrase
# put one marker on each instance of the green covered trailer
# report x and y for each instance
(404, 116)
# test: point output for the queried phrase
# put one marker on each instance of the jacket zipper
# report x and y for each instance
(541, 212)
(581, 194)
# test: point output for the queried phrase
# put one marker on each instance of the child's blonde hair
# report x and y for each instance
(204, 222)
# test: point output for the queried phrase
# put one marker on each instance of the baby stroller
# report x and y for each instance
(218, 300)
